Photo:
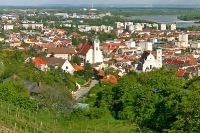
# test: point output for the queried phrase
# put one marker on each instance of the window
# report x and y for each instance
(66, 67)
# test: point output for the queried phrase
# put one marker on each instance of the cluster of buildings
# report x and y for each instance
(132, 27)
(87, 28)
(140, 47)
(89, 15)
(143, 54)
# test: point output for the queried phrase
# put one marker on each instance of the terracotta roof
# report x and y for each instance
(61, 50)
(116, 56)
(181, 72)
(33, 40)
(77, 67)
(53, 61)
(192, 62)
(167, 52)
(130, 58)
(76, 34)
(38, 62)
(85, 48)
(109, 78)
(191, 56)
(174, 61)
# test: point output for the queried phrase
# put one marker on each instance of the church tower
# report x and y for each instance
(159, 57)
(97, 53)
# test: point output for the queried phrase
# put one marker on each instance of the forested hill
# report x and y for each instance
(190, 17)
(158, 100)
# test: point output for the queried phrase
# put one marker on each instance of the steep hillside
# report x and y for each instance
(14, 119)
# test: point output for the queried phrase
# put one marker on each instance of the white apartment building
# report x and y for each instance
(8, 27)
(138, 27)
(172, 26)
(118, 25)
(32, 25)
(145, 46)
(182, 40)
(135, 27)
(162, 26)
(127, 24)
(130, 44)
(195, 44)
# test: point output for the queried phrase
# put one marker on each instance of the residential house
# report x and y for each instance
(109, 78)
(33, 87)
(64, 64)
(184, 73)
(61, 52)
(40, 64)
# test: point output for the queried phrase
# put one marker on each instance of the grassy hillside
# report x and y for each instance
(19, 120)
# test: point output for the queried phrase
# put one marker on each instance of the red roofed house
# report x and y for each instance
(184, 73)
(64, 64)
(77, 67)
(193, 62)
(109, 78)
(40, 64)
(91, 53)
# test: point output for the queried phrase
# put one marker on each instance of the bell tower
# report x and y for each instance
(96, 50)
(159, 57)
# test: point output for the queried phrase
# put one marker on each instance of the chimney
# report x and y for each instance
(14, 76)
(39, 84)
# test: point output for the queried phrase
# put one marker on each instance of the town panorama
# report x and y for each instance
(99, 69)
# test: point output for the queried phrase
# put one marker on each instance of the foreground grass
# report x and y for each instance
(24, 121)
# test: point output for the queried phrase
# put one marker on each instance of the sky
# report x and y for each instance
(78, 2)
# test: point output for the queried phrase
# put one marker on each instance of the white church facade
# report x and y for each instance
(149, 62)
(91, 53)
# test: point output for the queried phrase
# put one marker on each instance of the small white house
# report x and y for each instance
(64, 64)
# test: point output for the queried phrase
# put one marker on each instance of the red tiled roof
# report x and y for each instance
(116, 56)
(61, 50)
(192, 62)
(109, 78)
(33, 40)
(174, 62)
(130, 58)
(191, 56)
(77, 67)
(85, 48)
(168, 52)
(38, 62)
(181, 72)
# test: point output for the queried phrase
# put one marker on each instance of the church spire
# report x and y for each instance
(96, 38)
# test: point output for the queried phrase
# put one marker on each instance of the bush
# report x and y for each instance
(15, 92)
